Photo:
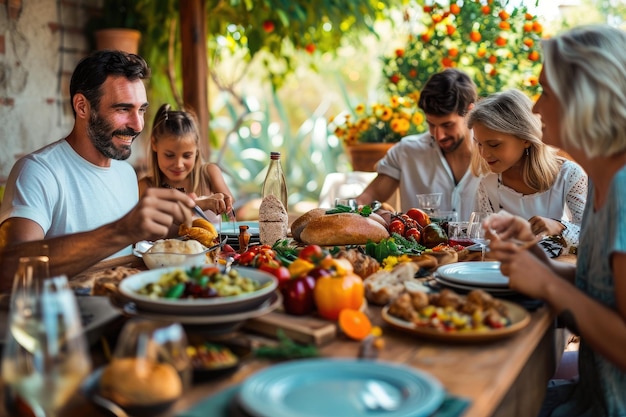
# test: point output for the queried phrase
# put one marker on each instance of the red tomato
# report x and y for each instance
(397, 226)
(413, 233)
(279, 271)
(420, 216)
(312, 253)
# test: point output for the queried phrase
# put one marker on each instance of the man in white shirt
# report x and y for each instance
(76, 200)
(437, 161)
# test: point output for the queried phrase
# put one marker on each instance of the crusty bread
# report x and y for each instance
(140, 382)
(384, 286)
(298, 224)
(343, 229)
(364, 265)
(445, 255)
(273, 220)
(103, 282)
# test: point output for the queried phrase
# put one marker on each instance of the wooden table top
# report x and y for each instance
(487, 374)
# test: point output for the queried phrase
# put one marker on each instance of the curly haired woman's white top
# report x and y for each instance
(564, 201)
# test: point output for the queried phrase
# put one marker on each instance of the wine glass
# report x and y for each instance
(476, 231)
(429, 202)
(45, 356)
(150, 367)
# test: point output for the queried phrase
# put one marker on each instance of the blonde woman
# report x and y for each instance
(521, 174)
(175, 162)
(583, 110)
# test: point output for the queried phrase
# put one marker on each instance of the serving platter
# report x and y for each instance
(217, 305)
(340, 388)
(477, 274)
(519, 319)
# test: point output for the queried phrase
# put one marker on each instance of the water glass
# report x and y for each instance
(476, 231)
(429, 202)
(46, 356)
(348, 202)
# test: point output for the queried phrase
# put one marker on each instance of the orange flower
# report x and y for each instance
(394, 102)
(486, 9)
(453, 52)
(436, 17)
(359, 109)
(386, 114)
(505, 25)
(528, 27)
(537, 27)
(500, 41)
(493, 59)
(493, 72)
(427, 9)
(481, 52)
(528, 16)
(399, 52)
(395, 78)
(529, 42)
(533, 56)
(450, 30)
(455, 9)
(532, 81)
(412, 73)
(503, 15)
(447, 62)
(475, 36)
(310, 48)
(425, 37)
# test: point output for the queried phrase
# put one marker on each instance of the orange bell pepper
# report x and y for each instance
(336, 292)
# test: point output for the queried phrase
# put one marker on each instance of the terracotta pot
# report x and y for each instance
(365, 156)
(126, 40)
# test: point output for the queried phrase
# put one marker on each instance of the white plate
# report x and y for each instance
(490, 290)
(213, 323)
(219, 305)
(480, 274)
(340, 388)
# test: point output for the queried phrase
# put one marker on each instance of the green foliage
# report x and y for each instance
(498, 49)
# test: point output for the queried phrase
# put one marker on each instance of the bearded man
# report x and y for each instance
(437, 161)
(78, 196)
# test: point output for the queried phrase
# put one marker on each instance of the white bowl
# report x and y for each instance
(218, 305)
(155, 260)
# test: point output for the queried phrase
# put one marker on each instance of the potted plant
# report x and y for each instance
(116, 27)
(370, 130)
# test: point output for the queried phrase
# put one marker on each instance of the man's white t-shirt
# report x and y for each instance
(418, 163)
(63, 193)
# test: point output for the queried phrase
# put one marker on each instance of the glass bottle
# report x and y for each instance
(275, 183)
(244, 238)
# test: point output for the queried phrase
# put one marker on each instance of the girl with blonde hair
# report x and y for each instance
(175, 162)
(521, 174)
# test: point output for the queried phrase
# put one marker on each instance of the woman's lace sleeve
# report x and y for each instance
(575, 200)
(482, 200)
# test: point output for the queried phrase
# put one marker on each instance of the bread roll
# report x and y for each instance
(342, 229)
(298, 225)
(140, 382)
(273, 220)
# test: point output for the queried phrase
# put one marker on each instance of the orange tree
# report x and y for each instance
(496, 45)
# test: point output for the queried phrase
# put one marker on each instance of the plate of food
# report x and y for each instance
(451, 317)
(213, 358)
(198, 289)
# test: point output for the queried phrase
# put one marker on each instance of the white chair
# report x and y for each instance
(348, 185)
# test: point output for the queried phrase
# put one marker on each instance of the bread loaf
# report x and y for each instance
(273, 220)
(140, 382)
(299, 224)
(342, 229)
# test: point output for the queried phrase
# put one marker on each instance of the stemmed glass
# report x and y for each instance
(45, 356)
(150, 367)
(476, 231)
(429, 202)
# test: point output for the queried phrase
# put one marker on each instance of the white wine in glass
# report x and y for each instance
(45, 356)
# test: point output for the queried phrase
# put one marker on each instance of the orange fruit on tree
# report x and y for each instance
(455, 9)
(475, 36)
(354, 323)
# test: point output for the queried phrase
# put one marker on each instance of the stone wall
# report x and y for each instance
(41, 41)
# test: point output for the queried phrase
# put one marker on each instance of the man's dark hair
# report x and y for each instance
(93, 70)
(447, 92)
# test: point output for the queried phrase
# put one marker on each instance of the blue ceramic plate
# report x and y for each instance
(340, 388)
(476, 274)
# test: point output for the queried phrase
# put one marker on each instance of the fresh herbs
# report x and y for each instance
(285, 253)
(364, 211)
(395, 245)
(286, 349)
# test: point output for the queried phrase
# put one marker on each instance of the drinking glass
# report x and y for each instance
(457, 234)
(45, 356)
(429, 202)
(348, 202)
(476, 231)
(147, 352)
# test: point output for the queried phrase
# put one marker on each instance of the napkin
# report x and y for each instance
(219, 405)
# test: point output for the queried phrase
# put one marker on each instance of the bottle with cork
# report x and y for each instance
(273, 220)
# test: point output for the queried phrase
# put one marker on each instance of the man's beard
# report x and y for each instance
(101, 134)
(452, 145)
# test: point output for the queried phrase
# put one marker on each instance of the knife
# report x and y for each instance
(233, 221)
(200, 213)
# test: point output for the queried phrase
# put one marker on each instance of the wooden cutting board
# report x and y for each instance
(301, 329)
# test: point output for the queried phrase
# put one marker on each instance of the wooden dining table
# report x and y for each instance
(505, 377)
